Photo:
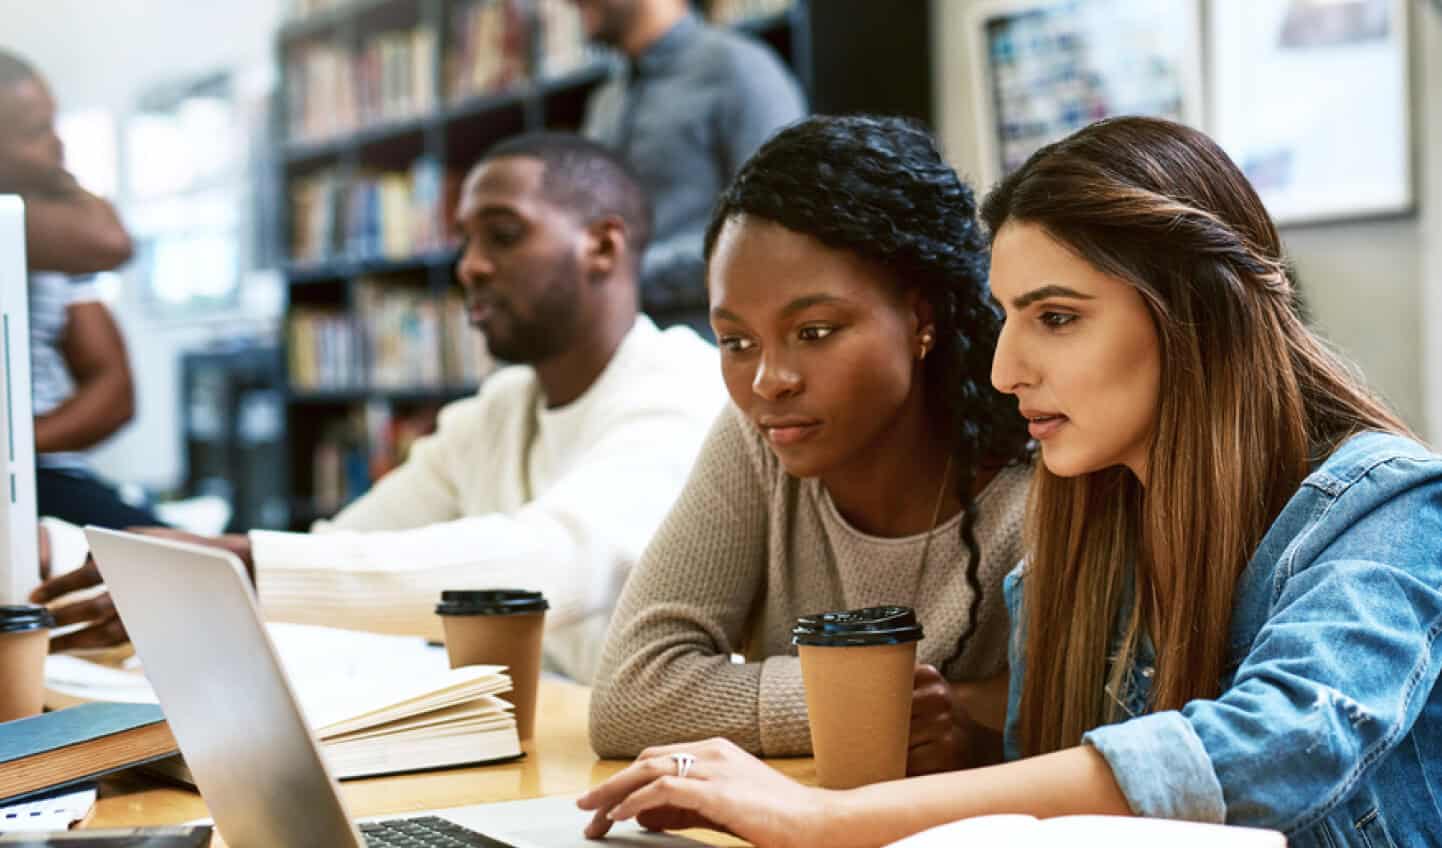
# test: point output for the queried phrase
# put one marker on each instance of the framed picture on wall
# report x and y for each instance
(1045, 68)
(1311, 99)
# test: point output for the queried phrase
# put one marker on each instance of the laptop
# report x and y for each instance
(193, 619)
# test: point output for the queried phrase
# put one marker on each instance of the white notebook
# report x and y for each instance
(1087, 831)
(378, 704)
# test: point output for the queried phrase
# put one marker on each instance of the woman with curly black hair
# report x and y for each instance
(865, 459)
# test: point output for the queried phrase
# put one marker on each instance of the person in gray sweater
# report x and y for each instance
(692, 103)
(865, 458)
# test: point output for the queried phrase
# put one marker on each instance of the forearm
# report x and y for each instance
(74, 232)
(100, 406)
(390, 580)
(1076, 781)
(670, 691)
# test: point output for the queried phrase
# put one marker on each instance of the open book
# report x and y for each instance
(377, 704)
(1029, 832)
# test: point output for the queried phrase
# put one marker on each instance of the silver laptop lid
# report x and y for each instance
(19, 559)
(192, 616)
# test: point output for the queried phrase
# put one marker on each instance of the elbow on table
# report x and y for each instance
(613, 723)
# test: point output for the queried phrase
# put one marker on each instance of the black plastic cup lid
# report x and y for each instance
(18, 619)
(870, 626)
(490, 602)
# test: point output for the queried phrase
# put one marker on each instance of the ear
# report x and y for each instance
(923, 322)
(923, 316)
(604, 247)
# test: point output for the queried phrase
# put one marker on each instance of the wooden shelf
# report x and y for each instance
(344, 268)
(465, 108)
(361, 394)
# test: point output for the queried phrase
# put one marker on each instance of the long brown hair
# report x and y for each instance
(1250, 400)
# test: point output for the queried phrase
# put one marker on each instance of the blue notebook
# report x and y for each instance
(57, 749)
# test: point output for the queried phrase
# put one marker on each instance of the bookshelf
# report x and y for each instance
(382, 106)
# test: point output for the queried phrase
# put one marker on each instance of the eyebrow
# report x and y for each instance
(804, 302)
(487, 211)
(1023, 301)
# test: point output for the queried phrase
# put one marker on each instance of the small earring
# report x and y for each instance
(926, 339)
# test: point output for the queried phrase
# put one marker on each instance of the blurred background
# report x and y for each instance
(288, 169)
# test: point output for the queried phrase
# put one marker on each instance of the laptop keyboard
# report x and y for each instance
(424, 832)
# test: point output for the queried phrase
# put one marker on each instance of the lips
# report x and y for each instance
(787, 431)
(1043, 425)
(480, 310)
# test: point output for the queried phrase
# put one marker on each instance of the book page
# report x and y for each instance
(335, 673)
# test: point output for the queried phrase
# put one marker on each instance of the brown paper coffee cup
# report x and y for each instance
(24, 643)
(499, 627)
(858, 667)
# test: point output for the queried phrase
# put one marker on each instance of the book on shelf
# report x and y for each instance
(319, 91)
(465, 359)
(400, 334)
(390, 434)
(331, 89)
(323, 349)
(489, 48)
(377, 704)
(315, 216)
(392, 215)
(395, 77)
(398, 337)
(70, 746)
(357, 449)
(340, 464)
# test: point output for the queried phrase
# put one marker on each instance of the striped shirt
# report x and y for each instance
(51, 296)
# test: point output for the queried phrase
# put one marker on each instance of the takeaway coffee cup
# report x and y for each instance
(858, 667)
(24, 642)
(499, 627)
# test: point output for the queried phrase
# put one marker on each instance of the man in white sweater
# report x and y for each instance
(556, 474)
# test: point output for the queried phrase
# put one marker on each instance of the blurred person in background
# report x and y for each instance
(553, 477)
(80, 374)
(693, 102)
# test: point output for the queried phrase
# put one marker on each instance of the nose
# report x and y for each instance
(1009, 369)
(775, 380)
(474, 267)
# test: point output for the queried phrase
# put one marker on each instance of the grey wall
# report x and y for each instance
(1375, 288)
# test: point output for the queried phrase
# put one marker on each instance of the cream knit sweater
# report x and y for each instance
(510, 494)
(747, 549)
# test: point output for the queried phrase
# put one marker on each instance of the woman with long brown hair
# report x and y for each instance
(1232, 598)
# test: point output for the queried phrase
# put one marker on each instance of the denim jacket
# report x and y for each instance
(1329, 722)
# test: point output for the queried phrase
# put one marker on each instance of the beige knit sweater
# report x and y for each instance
(745, 550)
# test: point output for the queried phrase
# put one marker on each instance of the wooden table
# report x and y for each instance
(558, 761)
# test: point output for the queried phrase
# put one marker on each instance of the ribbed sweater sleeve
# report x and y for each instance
(666, 670)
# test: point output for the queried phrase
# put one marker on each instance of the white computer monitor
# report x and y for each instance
(19, 554)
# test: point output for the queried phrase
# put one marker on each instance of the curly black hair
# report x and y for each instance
(878, 187)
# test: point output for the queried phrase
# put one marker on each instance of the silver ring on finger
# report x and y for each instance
(683, 762)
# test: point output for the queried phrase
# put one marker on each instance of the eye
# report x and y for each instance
(503, 235)
(815, 332)
(735, 344)
(1056, 320)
